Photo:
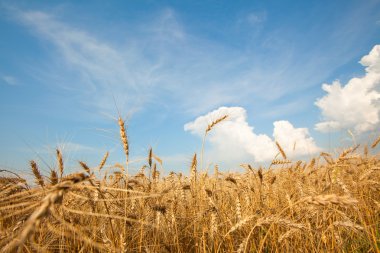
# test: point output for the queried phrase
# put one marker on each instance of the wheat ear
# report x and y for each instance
(124, 139)
(208, 129)
(281, 151)
(44, 209)
(103, 162)
(374, 144)
(37, 173)
(331, 199)
(53, 177)
(215, 122)
(85, 167)
(60, 163)
(193, 174)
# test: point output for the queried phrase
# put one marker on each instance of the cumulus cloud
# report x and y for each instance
(235, 140)
(295, 141)
(356, 104)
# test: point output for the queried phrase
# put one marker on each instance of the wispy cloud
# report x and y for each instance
(71, 147)
(7, 79)
(253, 19)
(160, 62)
(102, 69)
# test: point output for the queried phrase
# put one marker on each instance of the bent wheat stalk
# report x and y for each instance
(208, 129)
(44, 209)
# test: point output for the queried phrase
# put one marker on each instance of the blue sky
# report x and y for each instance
(171, 67)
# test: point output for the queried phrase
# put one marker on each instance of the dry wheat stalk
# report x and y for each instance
(37, 173)
(43, 210)
(231, 179)
(53, 177)
(242, 245)
(327, 158)
(278, 162)
(311, 164)
(374, 144)
(155, 173)
(60, 162)
(365, 151)
(343, 186)
(330, 199)
(238, 209)
(216, 171)
(103, 162)
(348, 224)
(287, 234)
(260, 174)
(150, 157)
(124, 139)
(193, 174)
(208, 129)
(85, 167)
(213, 225)
(281, 151)
(215, 122)
(240, 224)
(272, 180)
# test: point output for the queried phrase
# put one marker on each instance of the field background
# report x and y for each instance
(327, 204)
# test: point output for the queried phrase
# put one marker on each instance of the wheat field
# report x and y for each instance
(328, 204)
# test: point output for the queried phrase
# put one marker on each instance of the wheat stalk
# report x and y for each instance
(85, 167)
(44, 209)
(37, 174)
(208, 129)
(150, 157)
(193, 174)
(53, 177)
(213, 225)
(60, 163)
(238, 209)
(281, 151)
(215, 122)
(124, 139)
(374, 144)
(331, 199)
(103, 161)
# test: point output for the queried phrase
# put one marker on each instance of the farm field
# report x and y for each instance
(327, 204)
(189, 126)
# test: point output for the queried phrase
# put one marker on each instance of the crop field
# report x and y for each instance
(328, 204)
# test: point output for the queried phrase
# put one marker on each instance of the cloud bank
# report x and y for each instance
(354, 105)
(235, 140)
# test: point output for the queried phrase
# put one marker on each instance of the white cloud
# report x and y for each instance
(235, 140)
(294, 138)
(356, 104)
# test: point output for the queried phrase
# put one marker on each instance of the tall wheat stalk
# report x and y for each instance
(208, 129)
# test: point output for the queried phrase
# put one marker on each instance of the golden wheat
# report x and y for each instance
(300, 206)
